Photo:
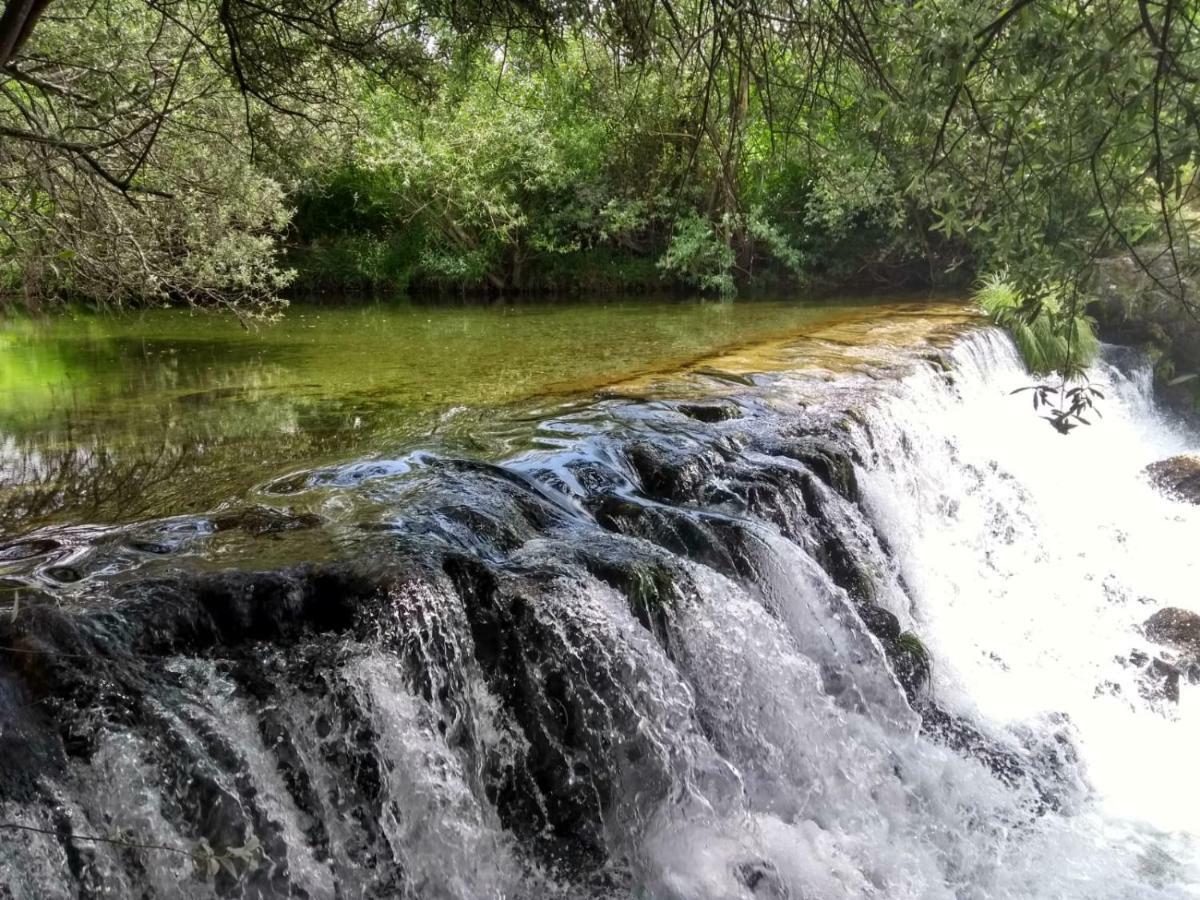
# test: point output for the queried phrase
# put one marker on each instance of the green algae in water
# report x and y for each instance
(114, 418)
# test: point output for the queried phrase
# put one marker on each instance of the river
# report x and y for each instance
(722, 602)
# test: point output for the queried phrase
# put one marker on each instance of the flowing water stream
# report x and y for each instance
(829, 615)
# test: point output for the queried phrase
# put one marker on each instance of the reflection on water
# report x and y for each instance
(115, 418)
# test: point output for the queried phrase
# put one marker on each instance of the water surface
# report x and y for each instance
(112, 418)
(668, 650)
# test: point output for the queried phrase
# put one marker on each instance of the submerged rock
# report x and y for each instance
(1177, 477)
(263, 520)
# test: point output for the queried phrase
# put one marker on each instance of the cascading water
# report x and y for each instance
(668, 654)
(1032, 560)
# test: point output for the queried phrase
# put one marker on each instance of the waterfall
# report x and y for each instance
(1032, 559)
(852, 635)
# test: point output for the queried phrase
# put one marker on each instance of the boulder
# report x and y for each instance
(1177, 477)
(1176, 628)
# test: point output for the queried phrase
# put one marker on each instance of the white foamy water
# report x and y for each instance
(1031, 559)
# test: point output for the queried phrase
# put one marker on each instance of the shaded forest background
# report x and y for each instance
(228, 152)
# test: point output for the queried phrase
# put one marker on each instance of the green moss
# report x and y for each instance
(914, 646)
(912, 662)
(651, 587)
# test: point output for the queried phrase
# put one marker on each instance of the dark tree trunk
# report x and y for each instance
(16, 25)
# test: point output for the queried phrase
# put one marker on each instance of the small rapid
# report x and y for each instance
(1032, 560)
(862, 633)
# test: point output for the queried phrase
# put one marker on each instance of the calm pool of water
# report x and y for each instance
(112, 418)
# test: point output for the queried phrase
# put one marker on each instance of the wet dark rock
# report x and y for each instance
(137, 665)
(671, 478)
(762, 879)
(796, 494)
(710, 412)
(798, 499)
(28, 549)
(1175, 628)
(1178, 477)
(825, 459)
(155, 548)
(596, 478)
(1159, 681)
(29, 751)
(880, 622)
(192, 614)
(938, 360)
(845, 566)
(1046, 765)
(1191, 673)
(721, 543)
(1158, 678)
(910, 661)
(575, 710)
(64, 574)
(1135, 658)
(958, 733)
(648, 585)
(487, 509)
(905, 652)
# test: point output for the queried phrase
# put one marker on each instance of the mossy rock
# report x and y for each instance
(907, 653)
(912, 663)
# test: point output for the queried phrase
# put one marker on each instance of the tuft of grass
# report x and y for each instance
(914, 646)
(1052, 337)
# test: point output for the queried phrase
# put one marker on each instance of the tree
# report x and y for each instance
(824, 136)
(136, 135)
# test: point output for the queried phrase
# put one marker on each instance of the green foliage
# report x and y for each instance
(154, 151)
(1052, 334)
(355, 261)
(118, 202)
(698, 255)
